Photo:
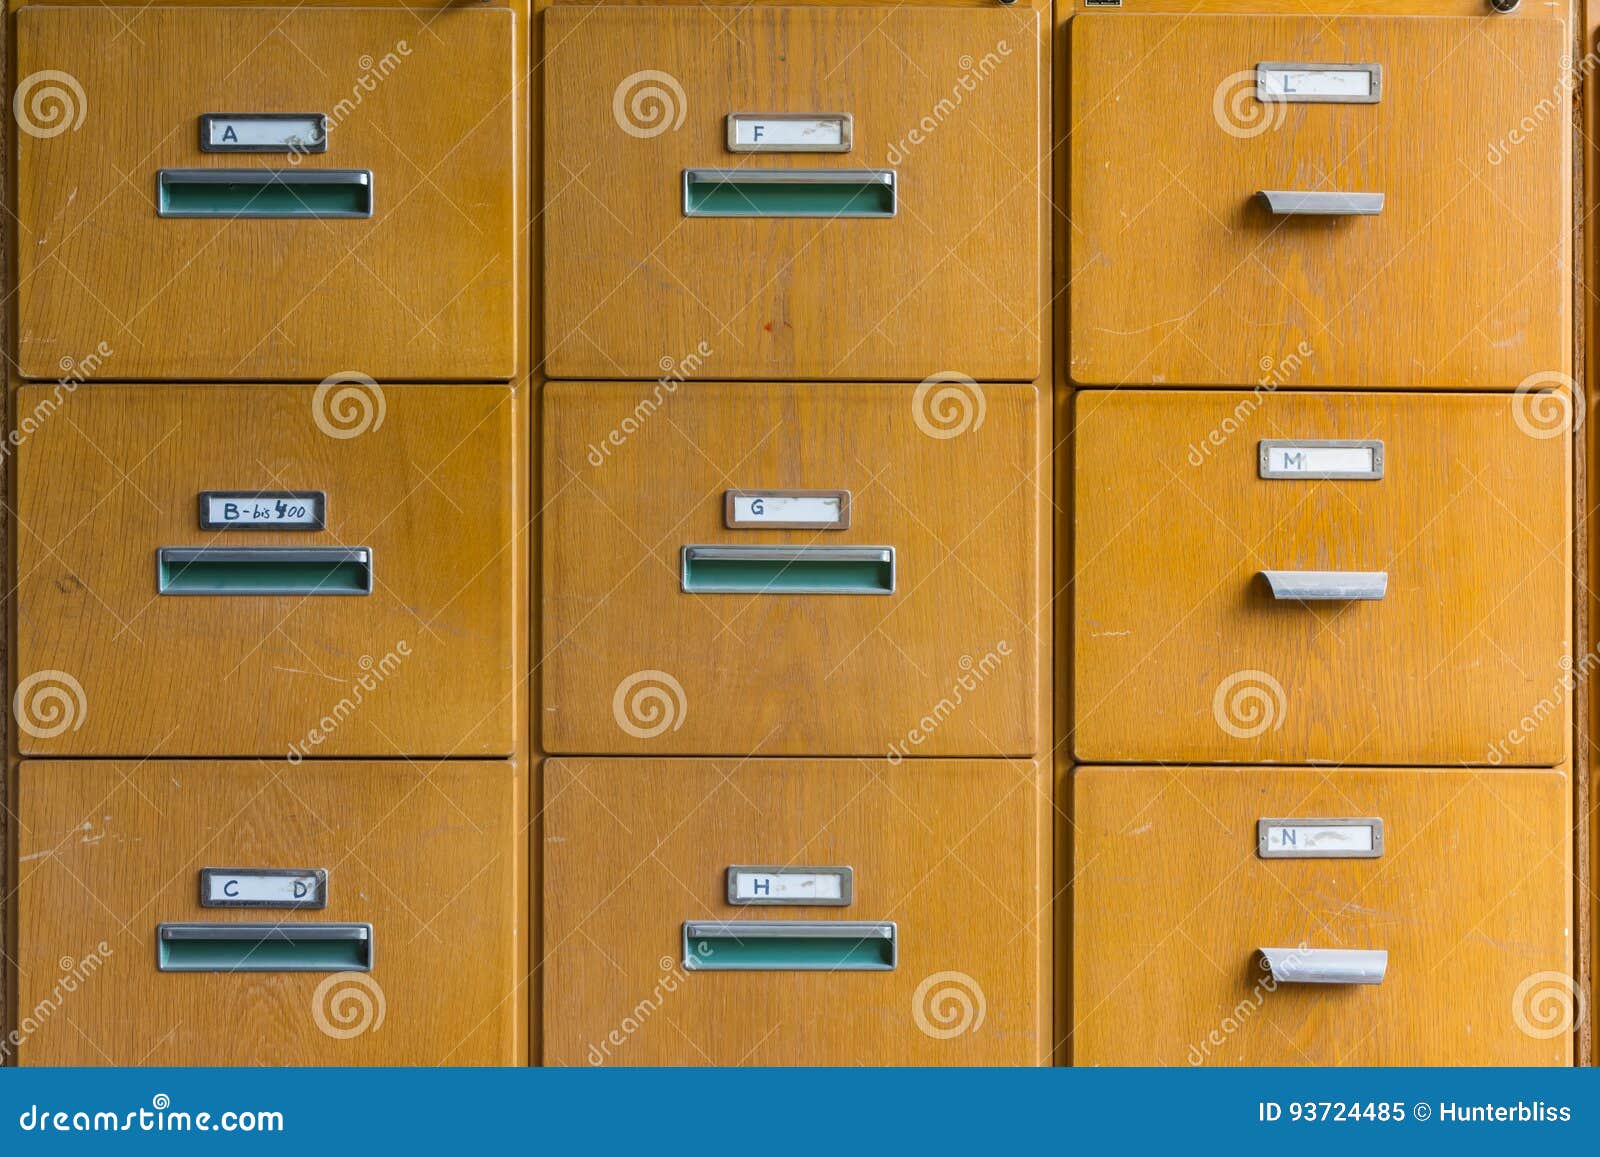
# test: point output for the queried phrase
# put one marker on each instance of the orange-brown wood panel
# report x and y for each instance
(418, 475)
(1470, 899)
(950, 852)
(951, 282)
(948, 664)
(1183, 653)
(429, 287)
(423, 853)
(1179, 273)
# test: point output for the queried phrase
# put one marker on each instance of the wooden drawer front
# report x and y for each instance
(809, 288)
(949, 853)
(1172, 905)
(420, 478)
(944, 663)
(1182, 274)
(423, 854)
(426, 287)
(1182, 652)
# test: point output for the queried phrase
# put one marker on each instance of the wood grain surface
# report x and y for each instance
(428, 288)
(424, 853)
(1180, 276)
(953, 282)
(949, 851)
(635, 473)
(112, 473)
(1471, 899)
(1182, 654)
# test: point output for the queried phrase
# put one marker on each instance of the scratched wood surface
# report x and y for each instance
(424, 852)
(1471, 897)
(1181, 276)
(948, 850)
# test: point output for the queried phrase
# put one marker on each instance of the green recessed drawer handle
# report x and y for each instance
(264, 948)
(264, 570)
(788, 570)
(311, 193)
(790, 945)
(789, 193)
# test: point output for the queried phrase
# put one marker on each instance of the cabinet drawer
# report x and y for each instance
(1420, 617)
(153, 618)
(928, 953)
(911, 631)
(1174, 903)
(418, 867)
(1184, 274)
(385, 241)
(917, 249)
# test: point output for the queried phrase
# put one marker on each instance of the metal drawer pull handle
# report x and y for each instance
(790, 945)
(306, 193)
(264, 570)
(789, 570)
(1327, 965)
(789, 193)
(264, 947)
(1291, 202)
(1326, 585)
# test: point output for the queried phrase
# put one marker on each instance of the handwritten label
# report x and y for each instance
(794, 509)
(830, 887)
(262, 510)
(263, 888)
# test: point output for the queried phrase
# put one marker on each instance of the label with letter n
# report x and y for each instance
(821, 887)
(1320, 839)
(263, 887)
(263, 509)
(1319, 458)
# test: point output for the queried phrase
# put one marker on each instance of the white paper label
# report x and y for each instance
(796, 887)
(262, 888)
(813, 510)
(1313, 83)
(1314, 460)
(289, 133)
(265, 510)
(798, 134)
(1311, 839)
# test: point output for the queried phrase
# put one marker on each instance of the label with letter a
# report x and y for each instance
(250, 132)
(823, 887)
(262, 510)
(263, 888)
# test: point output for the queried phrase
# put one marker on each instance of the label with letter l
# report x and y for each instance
(822, 887)
(1321, 458)
(263, 509)
(752, 132)
(787, 509)
(263, 887)
(1327, 839)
